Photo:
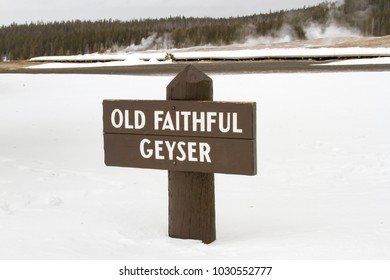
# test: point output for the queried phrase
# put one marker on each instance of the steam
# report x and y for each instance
(283, 35)
(146, 43)
(286, 34)
(312, 31)
(332, 30)
(152, 42)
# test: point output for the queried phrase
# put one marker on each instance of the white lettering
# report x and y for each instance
(225, 122)
(222, 128)
(173, 150)
(158, 149)
(182, 152)
(210, 120)
(139, 119)
(127, 120)
(196, 121)
(149, 152)
(191, 151)
(120, 118)
(170, 149)
(178, 121)
(186, 116)
(204, 152)
(235, 123)
(157, 119)
(168, 124)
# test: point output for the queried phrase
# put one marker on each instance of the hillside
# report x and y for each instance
(326, 20)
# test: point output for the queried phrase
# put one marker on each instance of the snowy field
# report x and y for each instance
(322, 189)
(156, 57)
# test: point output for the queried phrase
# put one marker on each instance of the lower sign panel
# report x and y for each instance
(207, 155)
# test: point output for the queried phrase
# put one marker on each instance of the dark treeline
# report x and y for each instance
(370, 17)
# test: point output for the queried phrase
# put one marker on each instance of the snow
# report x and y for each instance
(322, 189)
(368, 61)
(108, 57)
(84, 57)
(155, 57)
(286, 53)
(128, 60)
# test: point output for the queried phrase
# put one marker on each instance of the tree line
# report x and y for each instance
(23, 41)
(371, 17)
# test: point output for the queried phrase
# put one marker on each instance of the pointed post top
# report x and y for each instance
(190, 84)
(190, 74)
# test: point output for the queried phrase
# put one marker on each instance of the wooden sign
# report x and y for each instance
(195, 136)
(191, 137)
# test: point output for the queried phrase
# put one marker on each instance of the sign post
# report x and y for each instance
(191, 194)
(191, 137)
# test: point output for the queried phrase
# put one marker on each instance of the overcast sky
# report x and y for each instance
(21, 11)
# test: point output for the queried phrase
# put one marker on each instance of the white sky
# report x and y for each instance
(21, 11)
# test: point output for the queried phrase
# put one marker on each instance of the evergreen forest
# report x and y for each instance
(23, 41)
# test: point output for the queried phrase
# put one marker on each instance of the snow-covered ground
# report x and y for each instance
(287, 53)
(150, 57)
(367, 61)
(128, 61)
(322, 189)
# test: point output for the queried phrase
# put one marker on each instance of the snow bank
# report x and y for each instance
(127, 60)
(322, 191)
(369, 61)
(101, 60)
(82, 58)
(285, 53)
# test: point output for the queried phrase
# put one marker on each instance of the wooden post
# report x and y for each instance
(191, 194)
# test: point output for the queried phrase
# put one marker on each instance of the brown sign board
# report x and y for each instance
(194, 136)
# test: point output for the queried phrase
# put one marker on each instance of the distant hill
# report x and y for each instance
(364, 17)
